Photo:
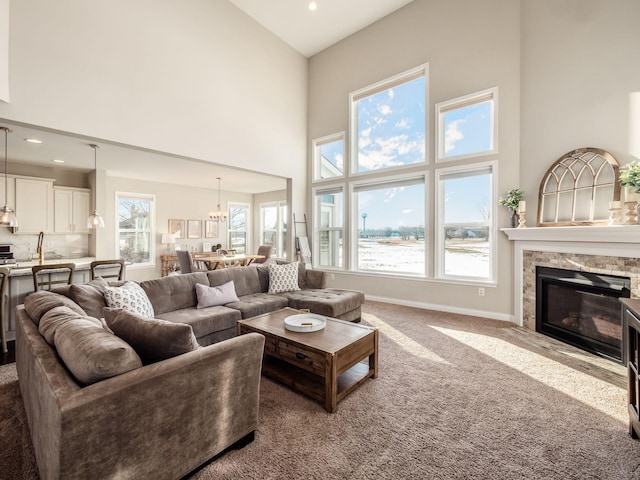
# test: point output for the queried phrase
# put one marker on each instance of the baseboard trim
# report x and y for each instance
(444, 308)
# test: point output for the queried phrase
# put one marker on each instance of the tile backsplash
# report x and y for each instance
(55, 245)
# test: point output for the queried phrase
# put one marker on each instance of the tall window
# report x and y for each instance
(388, 122)
(328, 156)
(238, 223)
(273, 227)
(467, 126)
(391, 234)
(330, 227)
(465, 222)
(136, 219)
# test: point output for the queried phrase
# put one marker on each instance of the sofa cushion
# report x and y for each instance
(283, 278)
(130, 297)
(38, 303)
(212, 296)
(174, 292)
(152, 339)
(55, 317)
(90, 296)
(245, 280)
(330, 302)
(257, 304)
(205, 320)
(90, 352)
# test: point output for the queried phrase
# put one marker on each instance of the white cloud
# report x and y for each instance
(452, 135)
(384, 109)
(407, 211)
(403, 124)
(391, 94)
(339, 161)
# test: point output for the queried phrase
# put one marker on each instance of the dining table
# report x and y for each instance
(214, 262)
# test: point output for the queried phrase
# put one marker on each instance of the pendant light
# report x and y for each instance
(95, 220)
(7, 215)
(219, 215)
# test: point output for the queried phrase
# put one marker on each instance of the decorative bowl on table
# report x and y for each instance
(305, 322)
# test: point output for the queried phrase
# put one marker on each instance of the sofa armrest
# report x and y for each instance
(316, 279)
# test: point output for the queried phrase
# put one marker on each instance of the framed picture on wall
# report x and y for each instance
(194, 229)
(210, 229)
(176, 228)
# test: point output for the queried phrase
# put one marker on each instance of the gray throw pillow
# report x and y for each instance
(90, 352)
(90, 296)
(57, 316)
(152, 338)
(38, 303)
(220, 295)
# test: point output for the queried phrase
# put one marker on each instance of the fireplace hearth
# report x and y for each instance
(581, 309)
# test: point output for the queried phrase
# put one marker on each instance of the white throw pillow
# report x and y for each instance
(220, 295)
(130, 297)
(283, 278)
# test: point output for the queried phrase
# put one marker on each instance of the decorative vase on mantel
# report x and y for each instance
(514, 218)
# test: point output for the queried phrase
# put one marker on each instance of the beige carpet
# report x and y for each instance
(456, 398)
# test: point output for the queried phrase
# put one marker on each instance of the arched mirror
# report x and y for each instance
(577, 189)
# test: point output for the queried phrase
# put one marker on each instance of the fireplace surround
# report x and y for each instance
(606, 250)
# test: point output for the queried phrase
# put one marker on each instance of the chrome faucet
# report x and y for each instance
(39, 248)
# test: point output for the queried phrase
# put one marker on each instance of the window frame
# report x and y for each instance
(280, 231)
(317, 166)
(390, 82)
(440, 225)
(317, 193)
(119, 195)
(412, 178)
(246, 230)
(475, 98)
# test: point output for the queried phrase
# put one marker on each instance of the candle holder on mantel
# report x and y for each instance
(615, 214)
(522, 219)
(631, 213)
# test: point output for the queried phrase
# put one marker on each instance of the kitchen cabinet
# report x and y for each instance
(34, 204)
(11, 192)
(71, 209)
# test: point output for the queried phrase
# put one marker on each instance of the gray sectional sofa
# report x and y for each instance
(159, 419)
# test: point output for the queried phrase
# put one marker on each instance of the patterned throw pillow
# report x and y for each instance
(283, 278)
(130, 297)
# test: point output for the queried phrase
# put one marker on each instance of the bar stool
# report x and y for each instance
(110, 266)
(48, 283)
(4, 281)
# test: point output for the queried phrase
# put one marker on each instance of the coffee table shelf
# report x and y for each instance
(326, 365)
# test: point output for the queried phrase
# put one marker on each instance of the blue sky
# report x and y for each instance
(392, 129)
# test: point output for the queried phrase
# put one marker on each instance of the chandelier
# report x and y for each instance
(218, 215)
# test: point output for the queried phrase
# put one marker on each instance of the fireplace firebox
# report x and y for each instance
(581, 309)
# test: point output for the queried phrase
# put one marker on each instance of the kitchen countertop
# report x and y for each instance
(24, 268)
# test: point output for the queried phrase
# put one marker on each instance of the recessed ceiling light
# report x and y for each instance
(32, 140)
(57, 160)
(313, 6)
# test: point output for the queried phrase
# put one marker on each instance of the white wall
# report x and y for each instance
(580, 79)
(196, 78)
(470, 45)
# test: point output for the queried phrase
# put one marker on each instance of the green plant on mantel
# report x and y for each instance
(512, 200)
(630, 176)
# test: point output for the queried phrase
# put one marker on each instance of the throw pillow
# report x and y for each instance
(130, 297)
(153, 339)
(57, 316)
(38, 303)
(220, 295)
(90, 296)
(91, 353)
(283, 278)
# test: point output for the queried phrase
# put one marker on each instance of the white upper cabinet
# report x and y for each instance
(34, 205)
(71, 209)
(11, 191)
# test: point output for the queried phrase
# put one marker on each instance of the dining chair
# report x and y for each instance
(107, 269)
(264, 250)
(4, 273)
(53, 278)
(186, 262)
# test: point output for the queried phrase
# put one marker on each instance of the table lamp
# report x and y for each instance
(168, 239)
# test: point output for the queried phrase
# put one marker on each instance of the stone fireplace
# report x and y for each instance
(604, 250)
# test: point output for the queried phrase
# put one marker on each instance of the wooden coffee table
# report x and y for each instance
(327, 365)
